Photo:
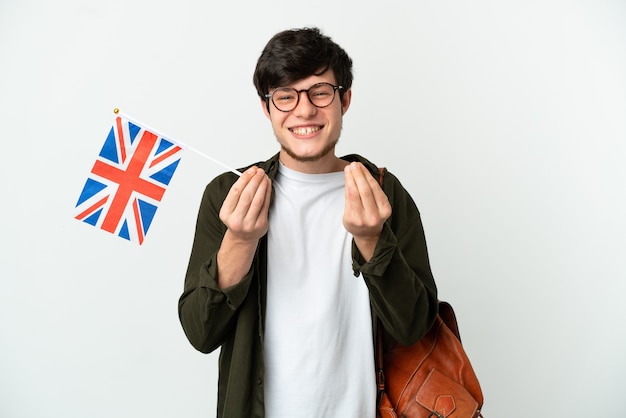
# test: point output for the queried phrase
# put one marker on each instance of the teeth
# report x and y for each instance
(305, 131)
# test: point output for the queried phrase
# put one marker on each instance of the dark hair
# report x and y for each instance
(295, 54)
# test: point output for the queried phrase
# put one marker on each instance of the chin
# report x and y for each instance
(310, 157)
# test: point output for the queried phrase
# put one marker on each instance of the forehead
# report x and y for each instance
(326, 77)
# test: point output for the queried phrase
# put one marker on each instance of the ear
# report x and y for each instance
(345, 101)
(265, 105)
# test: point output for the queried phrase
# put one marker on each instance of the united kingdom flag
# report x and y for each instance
(128, 180)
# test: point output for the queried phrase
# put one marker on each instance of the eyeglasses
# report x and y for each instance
(320, 95)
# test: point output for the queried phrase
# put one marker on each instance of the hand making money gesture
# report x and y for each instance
(245, 214)
(367, 208)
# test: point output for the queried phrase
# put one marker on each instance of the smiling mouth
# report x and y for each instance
(305, 131)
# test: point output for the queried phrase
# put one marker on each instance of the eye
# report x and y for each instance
(282, 95)
(320, 93)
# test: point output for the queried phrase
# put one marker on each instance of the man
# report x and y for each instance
(293, 261)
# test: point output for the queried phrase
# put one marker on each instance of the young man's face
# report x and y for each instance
(308, 134)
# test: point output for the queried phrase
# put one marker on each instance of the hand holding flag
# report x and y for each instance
(129, 178)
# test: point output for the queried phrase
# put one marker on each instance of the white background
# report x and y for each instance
(504, 119)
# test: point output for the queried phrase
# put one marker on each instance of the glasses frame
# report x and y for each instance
(270, 96)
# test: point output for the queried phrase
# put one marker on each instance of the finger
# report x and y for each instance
(380, 198)
(237, 189)
(354, 199)
(264, 214)
(352, 191)
(362, 179)
(249, 194)
(259, 202)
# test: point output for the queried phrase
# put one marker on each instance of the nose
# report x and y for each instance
(305, 108)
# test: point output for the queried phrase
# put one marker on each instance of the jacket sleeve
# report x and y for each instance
(402, 289)
(208, 313)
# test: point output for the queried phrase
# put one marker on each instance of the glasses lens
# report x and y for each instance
(285, 99)
(322, 95)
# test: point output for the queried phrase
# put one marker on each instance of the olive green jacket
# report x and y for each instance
(401, 286)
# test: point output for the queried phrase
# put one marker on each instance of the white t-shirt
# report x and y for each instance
(319, 359)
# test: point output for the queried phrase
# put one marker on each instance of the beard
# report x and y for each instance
(310, 158)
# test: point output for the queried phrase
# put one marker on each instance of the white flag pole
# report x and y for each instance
(182, 144)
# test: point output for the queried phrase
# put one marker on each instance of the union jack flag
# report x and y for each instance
(128, 180)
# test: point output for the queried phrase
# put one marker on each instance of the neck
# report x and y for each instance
(328, 164)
